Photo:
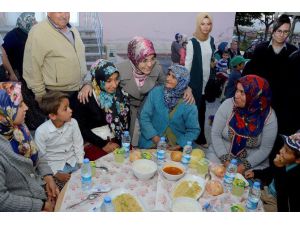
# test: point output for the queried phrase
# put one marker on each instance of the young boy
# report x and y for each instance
(222, 65)
(59, 139)
(282, 194)
(237, 64)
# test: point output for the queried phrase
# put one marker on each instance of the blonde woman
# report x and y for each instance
(199, 52)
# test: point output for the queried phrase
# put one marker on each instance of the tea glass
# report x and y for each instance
(202, 166)
(119, 154)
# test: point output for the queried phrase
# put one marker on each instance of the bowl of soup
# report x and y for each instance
(173, 170)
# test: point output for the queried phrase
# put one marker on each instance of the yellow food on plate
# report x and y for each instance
(189, 189)
(126, 203)
(197, 154)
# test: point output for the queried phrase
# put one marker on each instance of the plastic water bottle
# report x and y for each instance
(186, 154)
(207, 207)
(86, 175)
(185, 160)
(188, 148)
(126, 143)
(253, 197)
(107, 205)
(230, 174)
(161, 151)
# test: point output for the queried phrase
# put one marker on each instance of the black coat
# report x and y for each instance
(275, 69)
(287, 186)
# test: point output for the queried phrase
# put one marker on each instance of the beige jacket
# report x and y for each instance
(51, 62)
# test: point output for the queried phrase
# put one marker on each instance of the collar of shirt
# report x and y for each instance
(291, 166)
(52, 128)
(283, 46)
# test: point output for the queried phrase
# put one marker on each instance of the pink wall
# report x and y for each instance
(161, 26)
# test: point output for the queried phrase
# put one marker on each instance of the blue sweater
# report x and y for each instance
(154, 120)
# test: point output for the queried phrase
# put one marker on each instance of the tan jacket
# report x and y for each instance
(51, 62)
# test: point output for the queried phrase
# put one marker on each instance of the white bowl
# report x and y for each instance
(184, 204)
(170, 176)
(144, 169)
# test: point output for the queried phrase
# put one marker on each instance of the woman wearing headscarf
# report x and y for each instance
(105, 114)
(138, 75)
(14, 45)
(198, 61)
(245, 126)
(25, 180)
(166, 114)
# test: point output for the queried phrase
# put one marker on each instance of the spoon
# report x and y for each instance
(207, 176)
(95, 194)
(102, 168)
(89, 197)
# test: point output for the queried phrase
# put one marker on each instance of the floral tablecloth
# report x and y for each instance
(154, 194)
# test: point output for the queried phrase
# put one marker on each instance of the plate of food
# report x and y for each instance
(125, 201)
(190, 186)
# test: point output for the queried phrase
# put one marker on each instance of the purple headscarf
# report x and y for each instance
(138, 49)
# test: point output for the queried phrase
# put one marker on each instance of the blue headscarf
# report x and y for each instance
(222, 46)
(18, 135)
(172, 96)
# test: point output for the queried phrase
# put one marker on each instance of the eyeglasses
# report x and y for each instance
(151, 60)
(285, 32)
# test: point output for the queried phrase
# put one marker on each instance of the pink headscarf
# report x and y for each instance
(138, 49)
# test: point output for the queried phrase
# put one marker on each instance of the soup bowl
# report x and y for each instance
(173, 170)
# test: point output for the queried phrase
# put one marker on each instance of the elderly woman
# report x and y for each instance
(165, 113)
(23, 176)
(105, 114)
(138, 75)
(199, 52)
(245, 126)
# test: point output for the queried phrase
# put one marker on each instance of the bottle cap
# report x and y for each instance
(233, 161)
(256, 184)
(126, 132)
(189, 143)
(86, 160)
(107, 199)
(162, 139)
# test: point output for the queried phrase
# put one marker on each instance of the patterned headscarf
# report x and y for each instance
(248, 122)
(25, 21)
(18, 135)
(172, 96)
(115, 105)
(138, 49)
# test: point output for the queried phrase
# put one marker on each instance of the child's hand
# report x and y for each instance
(295, 137)
(64, 177)
(249, 174)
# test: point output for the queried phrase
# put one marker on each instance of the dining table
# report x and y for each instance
(154, 194)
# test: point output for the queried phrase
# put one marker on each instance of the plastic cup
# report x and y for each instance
(93, 167)
(238, 187)
(202, 166)
(119, 154)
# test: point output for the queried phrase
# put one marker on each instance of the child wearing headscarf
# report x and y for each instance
(165, 113)
(108, 108)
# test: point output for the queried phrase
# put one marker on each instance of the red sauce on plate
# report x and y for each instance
(172, 170)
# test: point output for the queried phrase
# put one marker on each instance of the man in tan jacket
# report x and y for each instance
(54, 57)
